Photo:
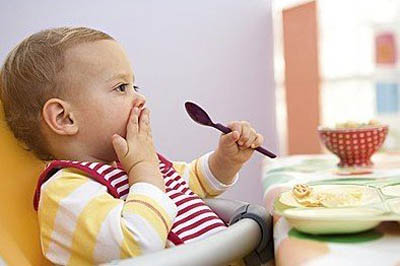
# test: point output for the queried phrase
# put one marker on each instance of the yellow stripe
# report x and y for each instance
(152, 208)
(129, 247)
(195, 186)
(203, 181)
(148, 214)
(50, 198)
(88, 227)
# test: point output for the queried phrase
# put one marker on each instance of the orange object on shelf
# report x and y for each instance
(385, 48)
(302, 78)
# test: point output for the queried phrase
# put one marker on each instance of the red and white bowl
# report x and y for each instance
(354, 146)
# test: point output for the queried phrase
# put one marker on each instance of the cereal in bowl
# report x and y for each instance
(352, 124)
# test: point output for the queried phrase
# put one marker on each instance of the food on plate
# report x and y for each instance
(303, 195)
(301, 190)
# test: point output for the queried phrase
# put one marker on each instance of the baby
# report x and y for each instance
(69, 95)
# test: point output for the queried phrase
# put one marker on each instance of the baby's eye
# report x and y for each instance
(122, 87)
(136, 88)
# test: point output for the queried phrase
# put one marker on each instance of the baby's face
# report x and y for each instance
(101, 80)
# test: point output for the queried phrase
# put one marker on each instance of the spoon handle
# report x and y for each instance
(227, 130)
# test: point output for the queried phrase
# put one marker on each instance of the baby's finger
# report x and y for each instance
(132, 127)
(258, 141)
(252, 138)
(120, 146)
(144, 121)
(230, 138)
(235, 126)
(244, 137)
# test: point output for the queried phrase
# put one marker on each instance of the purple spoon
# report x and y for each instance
(200, 116)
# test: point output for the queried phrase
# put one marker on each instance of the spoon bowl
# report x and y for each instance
(198, 114)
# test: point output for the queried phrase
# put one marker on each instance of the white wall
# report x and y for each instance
(217, 53)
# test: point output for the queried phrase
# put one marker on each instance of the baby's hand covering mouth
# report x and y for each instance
(136, 151)
(140, 109)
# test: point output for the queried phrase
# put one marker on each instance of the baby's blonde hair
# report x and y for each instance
(30, 76)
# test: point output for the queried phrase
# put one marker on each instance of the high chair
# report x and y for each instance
(19, 229)
(250, 230)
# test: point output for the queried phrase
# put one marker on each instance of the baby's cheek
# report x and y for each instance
(120, 126)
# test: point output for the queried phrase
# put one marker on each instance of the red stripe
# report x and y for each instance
(185, 200)
(176, 187)
(124, 192)
(188, 208)
(97, 167)
(191, 217)
(122, 183)
(107, 171)
(173, 196)
(116, 176)
(196, 224)
(165, 170)
(174, 238)
(165, 161)
(177, 179)
(180, 180)
(184, 190)
(168, 183)
(202, 231)
(170, 173)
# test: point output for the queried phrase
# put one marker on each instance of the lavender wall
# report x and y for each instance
(217, 53)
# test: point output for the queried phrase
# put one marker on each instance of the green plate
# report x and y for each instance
(374, 208)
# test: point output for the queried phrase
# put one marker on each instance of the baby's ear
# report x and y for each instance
(58, 116)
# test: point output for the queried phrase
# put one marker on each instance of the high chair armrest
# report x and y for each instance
(265, 249)
(248, 236)
(225, 208)
(231, 211)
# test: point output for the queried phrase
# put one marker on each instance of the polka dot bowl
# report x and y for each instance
(354, 146)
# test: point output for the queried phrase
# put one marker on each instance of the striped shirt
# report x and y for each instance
(85, 220)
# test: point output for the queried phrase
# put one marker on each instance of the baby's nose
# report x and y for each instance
(139, 101)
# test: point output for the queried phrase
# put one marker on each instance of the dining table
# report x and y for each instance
(378, 246)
